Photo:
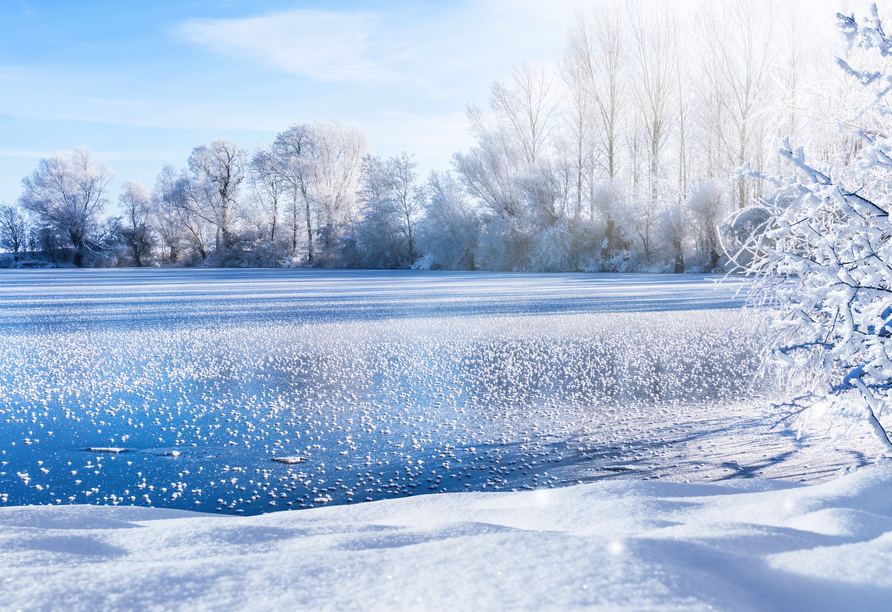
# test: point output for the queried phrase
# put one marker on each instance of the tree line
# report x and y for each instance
(622, 154)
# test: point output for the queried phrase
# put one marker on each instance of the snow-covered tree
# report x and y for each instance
(294, 161)
(67, 193)
(391, 201)
(175, 221)
(269, 186)
(823, 265)
(708, 209)
(337, 153)
(13, 229)
(451, 225)
(135, 230)
(217, 172)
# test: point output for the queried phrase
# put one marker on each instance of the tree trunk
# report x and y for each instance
(608, 239)
(309, 235)
(679, 256)
(78, 243)
(713, 262)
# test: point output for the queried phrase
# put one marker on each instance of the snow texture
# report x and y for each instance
(385, 386)
(622, 545)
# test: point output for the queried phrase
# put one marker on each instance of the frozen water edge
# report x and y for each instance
(384, 384)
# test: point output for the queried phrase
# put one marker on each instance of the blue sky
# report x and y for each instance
(142, 83)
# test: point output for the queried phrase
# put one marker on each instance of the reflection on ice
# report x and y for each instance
(251, 391)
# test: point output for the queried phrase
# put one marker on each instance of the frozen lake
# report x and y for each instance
(249, 391)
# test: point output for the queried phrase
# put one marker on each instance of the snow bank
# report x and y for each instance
(620, 545)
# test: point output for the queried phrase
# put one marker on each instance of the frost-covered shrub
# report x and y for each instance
(554, 249)
(673, 229)
(506, 244)
(823, 266)
(708, 208)
(451, 227)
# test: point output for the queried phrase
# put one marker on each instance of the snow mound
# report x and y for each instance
(289, 460)
(114, 450)
(619, 545)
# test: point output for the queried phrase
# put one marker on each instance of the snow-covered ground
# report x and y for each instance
(625, 545)
(147, 392)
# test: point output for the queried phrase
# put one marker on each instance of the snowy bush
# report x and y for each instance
(451, 225)
(554, 249)
(707, 208)
(823, 264)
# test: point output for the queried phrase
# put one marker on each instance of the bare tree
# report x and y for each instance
(526, 108)
(66, 192)
(737, 64)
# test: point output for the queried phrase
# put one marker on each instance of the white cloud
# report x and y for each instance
(436, 49)
(321, 45)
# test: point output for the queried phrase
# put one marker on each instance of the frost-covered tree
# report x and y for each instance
(656, 35)
(737, 62)
(337, 155)
(391, 201)
(488, 171)
(13, 229)
(525, 108)
(217, 172)
(134, 229)
(67, 193)
(294, 162)
(175, 220)
(597, 60)
(407, 198)
(674, 229)
(823, 265)
(451, 225)
(608, 200)
(708, 210)
(269, 186)
(377, 231)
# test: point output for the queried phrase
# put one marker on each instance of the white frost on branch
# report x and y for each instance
(822, 267)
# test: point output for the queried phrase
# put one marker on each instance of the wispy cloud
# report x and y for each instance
(25, 154)
(320, 45)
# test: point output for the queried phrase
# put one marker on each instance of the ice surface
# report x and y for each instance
(762, 546)
(383, 384)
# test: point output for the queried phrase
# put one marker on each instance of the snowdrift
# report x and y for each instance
(621, 545)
